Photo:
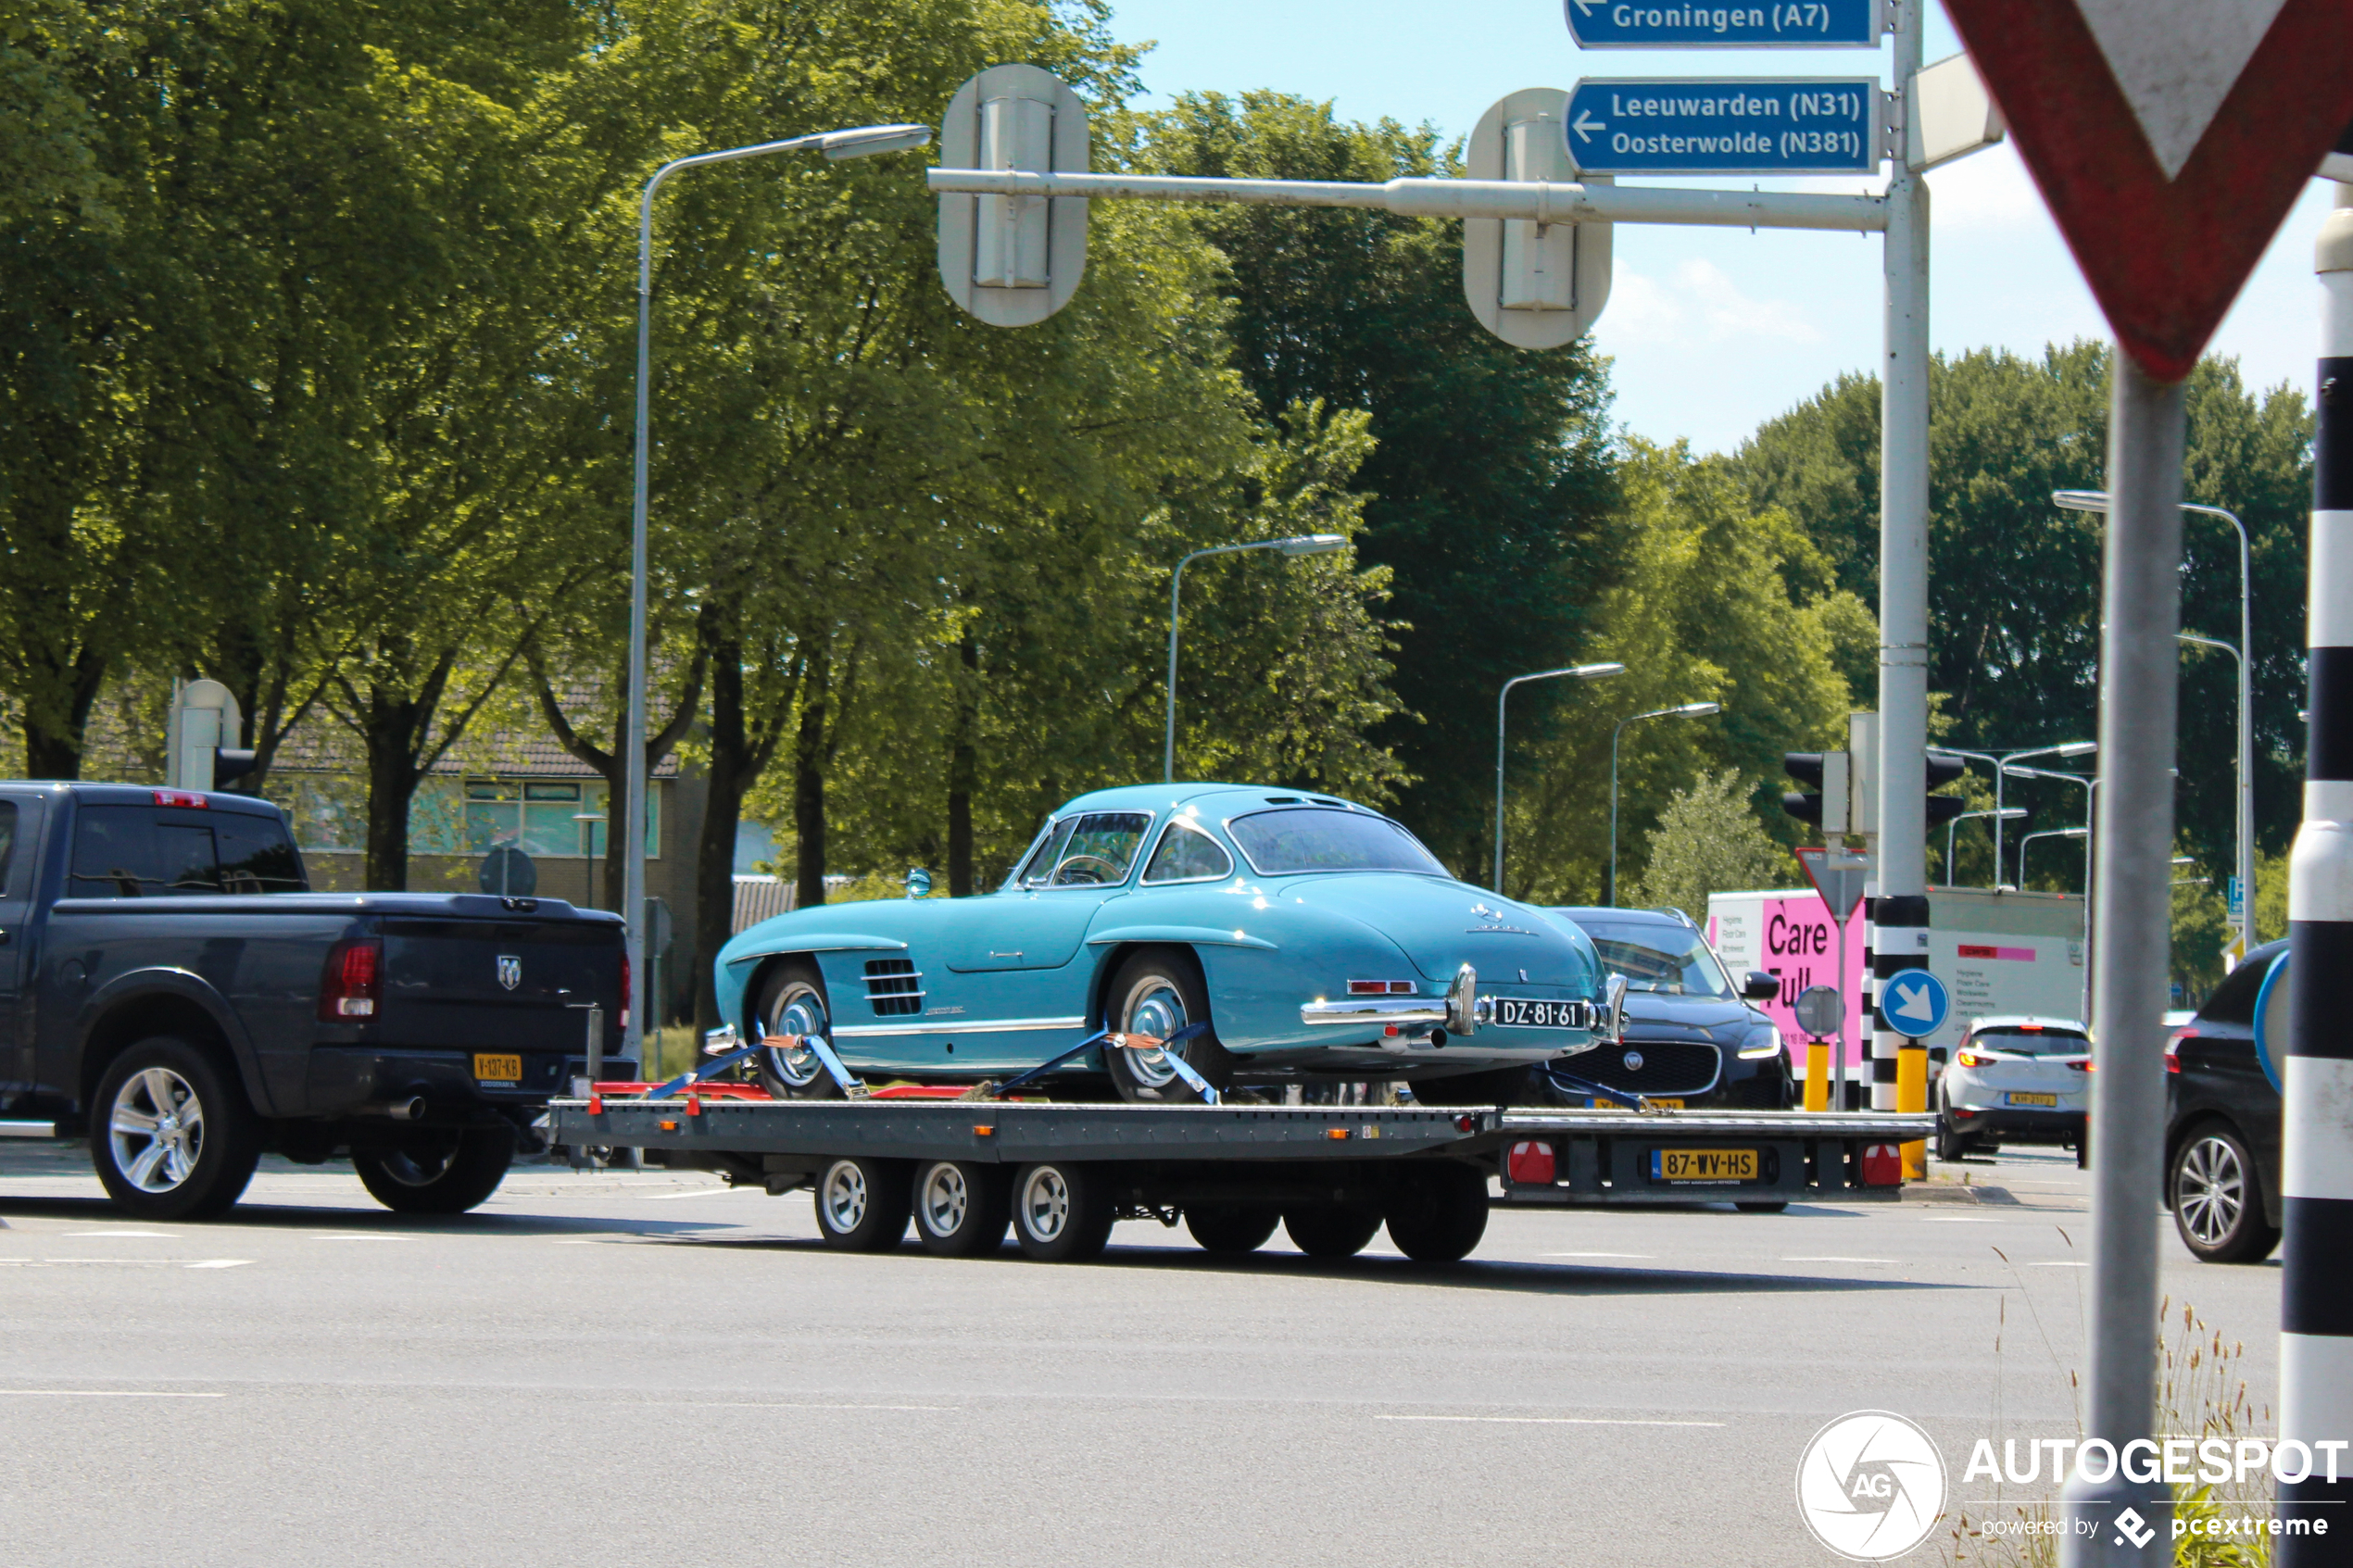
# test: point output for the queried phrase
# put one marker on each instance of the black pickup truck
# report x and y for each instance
(171, 989)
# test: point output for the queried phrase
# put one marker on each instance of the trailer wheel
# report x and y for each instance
(1497, 1085)
(1062, 1214)
(1157, 992)
(961, 1208)
(1333, 1233)
(862, 1204)
(1762, 1206)
(178, 1141)
(435, 1171)
(1230, 1229)
(1436, 1215)
(792, 1001)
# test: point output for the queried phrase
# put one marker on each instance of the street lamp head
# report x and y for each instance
(1594, 671)
(2009, 813)
(1312, 543)
(1697, 708)
(868, 139)
(2079, 748)
(2070, 832)
(2080, 500)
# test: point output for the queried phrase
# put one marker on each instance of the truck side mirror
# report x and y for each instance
(1761, 986)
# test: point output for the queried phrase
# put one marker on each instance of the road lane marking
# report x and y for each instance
(160, 1235)
(105, 1394)
(1838, 1260)
(706, 1192)
(1639, 1257)
(1551, 1419)
(340, 1237)
(2062, 1263)
(769, 1405)
(222, 1263)
(1959, 1220)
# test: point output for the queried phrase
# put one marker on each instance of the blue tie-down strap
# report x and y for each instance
(1182, 1069)
(1569, 1084)
(851, 1087)
(711, 1069)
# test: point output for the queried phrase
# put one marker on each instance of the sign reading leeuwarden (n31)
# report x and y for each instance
(1786, 24)
(1639, 125)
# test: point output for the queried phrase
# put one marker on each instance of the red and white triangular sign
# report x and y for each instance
(2169, 138)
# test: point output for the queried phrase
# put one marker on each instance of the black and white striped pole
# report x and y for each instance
(2316, 1295)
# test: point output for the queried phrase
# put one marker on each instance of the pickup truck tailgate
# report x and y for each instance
(514, 984)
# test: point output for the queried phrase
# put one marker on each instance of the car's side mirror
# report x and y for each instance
(1938, 1055)
(1761, 986)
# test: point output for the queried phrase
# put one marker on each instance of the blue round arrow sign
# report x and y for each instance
(1915, 1003)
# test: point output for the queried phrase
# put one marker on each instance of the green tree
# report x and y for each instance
(1709, 840)
(1490, 484)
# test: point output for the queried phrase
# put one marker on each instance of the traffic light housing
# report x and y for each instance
(1829, 804)
(1942, 770)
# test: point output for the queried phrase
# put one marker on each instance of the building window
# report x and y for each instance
(541, 817)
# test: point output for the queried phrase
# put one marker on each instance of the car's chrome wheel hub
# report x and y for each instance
(1045, 1204)
(799, 1012)
(943, 1200)
(155, 1130)
(2213, 1191)
(843, 1198)
(1153, 1008)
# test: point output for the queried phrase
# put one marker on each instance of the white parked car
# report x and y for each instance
(2016, 1078)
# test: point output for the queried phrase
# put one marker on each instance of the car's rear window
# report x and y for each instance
(1316, 839)
(2020, 1041)
(148, 852)
(2233, 1001)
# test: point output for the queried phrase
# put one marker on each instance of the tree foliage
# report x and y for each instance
(1709, 840)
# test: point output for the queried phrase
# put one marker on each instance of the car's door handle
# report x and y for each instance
(1012, 955)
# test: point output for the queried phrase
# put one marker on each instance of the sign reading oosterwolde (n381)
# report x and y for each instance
(2169, 138)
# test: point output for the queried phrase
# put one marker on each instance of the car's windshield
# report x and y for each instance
(1092, 850)
(1314, 838)
(2030, 1039)
(1670, 959)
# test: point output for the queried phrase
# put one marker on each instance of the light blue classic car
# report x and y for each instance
(1316, 939)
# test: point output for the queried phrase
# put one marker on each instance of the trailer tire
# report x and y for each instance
(863, 1203)
(1230, 1229)
(1158, 991)
(224, 1133)
(791, 1001)
(1762, 1206)
(961, 1207)
(445, 1172)
(1062, 1214)
(1333, 1232)
(1499, 1086)
(1436, 1215)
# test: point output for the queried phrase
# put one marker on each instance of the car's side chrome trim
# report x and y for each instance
(960, 1026)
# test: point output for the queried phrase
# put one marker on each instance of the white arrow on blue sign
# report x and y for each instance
(1784, 125)
(1785, 24)
(1915, 1003)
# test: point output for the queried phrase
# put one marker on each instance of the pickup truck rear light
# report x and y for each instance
(627, 981)
(353, 980)
(188, 797)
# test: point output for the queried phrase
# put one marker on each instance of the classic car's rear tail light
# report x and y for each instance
(1971, 1059)
(1381, 987)
(354, 976)
(1530, 1165)
(181, 797)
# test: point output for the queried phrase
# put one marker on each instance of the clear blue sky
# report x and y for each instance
(1711, 332)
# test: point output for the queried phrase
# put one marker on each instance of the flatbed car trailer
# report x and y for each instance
(1063, 1173)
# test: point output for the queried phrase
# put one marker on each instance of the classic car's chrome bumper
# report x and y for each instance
(1461, 1011)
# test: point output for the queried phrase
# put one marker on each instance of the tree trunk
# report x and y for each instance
(963, 768)
(809, 756)
(390, 731)
(53, 751)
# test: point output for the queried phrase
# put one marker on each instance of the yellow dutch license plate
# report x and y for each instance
(1654, 1102)
(2034, 1099)
(1703, 1164)
(493, 1068)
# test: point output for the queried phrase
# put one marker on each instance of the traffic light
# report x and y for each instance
(1831, 776)
(1942, 770)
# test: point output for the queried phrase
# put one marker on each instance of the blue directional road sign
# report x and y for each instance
(1785, 24)
(1658, 125)
(1915, 1003)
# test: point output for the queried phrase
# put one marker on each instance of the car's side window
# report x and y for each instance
(1100, 847)
(7, 843)
(1187, 854)
(1049, 852)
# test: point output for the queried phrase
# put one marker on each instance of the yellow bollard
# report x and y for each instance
(1911, 1094)
(1817, 1075)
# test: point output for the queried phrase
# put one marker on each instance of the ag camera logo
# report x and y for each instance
(1871, 1486)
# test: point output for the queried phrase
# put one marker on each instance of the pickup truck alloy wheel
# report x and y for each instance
(443, 1170)
(961, 1209)
(1157, 992)
(179, 1140)
(1062, 1214)
(792, 1001)
(862, 1204)
(2218, 1206)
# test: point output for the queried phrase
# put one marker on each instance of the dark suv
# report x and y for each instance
(1692, 1037)
(2222, 1124)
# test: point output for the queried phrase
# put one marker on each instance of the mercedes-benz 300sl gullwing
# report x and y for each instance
(1317, 940)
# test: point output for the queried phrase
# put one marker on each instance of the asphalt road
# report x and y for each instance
(619, 1369)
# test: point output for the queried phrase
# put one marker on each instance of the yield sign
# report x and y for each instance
(1838, 875)
(2169, 138)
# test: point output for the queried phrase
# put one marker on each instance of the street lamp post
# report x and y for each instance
(1688, 710)
(2097, 501)
(1582, 672)
(2047, 833)
(2000, 814)
(1297, 544)
(1999, 762)
(836, 144)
